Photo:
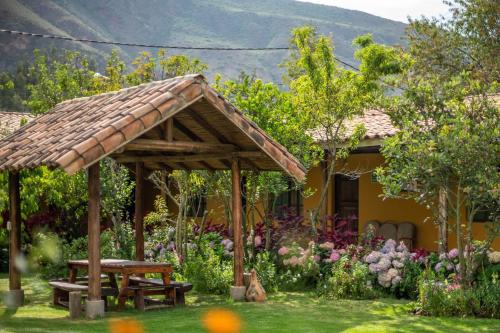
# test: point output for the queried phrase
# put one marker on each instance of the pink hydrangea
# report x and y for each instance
(334, 256)
(283, 250)
(317, 258)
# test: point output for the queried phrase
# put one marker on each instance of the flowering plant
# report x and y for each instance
(299, 267)
(387, 263)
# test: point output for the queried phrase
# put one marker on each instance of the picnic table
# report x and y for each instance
(130, 269)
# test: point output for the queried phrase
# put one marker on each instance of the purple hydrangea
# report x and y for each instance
(438, 266)
(453, 253)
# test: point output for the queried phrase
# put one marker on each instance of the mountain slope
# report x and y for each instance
(228, 23)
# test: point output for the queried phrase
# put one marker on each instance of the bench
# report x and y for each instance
(69, 295)
(180, 287)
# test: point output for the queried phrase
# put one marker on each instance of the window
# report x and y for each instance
(197, 206)
(288, 203)
(483, 215)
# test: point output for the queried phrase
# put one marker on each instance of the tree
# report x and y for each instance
(330, 95)
(447, 144)
(273, 111)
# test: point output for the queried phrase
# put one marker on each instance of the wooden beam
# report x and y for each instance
(15, 230)
(186, 131)
(178, 146)
(169, 130)
(187, 158)
(139, 211)
(236, 215)
(206, 126)
(94, 233)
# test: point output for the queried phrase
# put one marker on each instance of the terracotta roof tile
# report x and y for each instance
(81, 131)
(11, 121)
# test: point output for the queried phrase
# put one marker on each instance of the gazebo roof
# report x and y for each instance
(130, 125)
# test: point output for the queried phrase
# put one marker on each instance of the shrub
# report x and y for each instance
(349, 279)
(49, 254)
(442, 298)
(388, 263)
(209, 272)
(299, 269)
(266, 271)
(408, 287)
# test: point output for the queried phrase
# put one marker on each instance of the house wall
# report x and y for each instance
(372, 206)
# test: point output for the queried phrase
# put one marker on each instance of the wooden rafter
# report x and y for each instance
(187, 158)
(178, 146)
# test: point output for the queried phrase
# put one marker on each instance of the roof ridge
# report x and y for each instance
(20, 113)
(195, 77)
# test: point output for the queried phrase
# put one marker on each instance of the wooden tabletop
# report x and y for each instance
(119, 263)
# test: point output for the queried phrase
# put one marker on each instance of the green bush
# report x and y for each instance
(266, 271)
(49, 255)
(208, 272)
(438, 298)
(408, 286)
(349, 279)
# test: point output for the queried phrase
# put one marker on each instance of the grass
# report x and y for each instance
(283, 312)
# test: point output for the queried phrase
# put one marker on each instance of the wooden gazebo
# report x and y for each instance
(180, 123)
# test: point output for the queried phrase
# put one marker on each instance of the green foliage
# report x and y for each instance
(467, 41)
(208, 268)
(408, 286)
(266, 270)
(348, 279)
(329, 95)
(160, 217)
(147, 68)
(49, 254)
(441, 299)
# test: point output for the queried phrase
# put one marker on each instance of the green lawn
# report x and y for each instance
(284, 312)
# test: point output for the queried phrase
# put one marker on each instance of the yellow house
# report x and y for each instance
(362, 195)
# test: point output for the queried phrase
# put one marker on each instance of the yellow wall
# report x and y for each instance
(371, 205)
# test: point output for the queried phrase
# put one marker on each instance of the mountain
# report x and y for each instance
(224, 23)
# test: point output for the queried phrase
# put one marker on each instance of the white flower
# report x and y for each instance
(494, 257)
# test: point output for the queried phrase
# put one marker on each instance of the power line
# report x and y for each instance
(173, 47)
(158, 46)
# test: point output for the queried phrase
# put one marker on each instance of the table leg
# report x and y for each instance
(122, 296)
(170, 292)
(72, 275)
(112, 280)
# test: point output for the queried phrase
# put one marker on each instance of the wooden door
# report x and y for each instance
(346, 196)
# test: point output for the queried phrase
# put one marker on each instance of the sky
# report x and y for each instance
(397, 10)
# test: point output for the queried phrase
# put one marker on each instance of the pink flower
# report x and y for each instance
(294, 261)
(326, 246)
(317, 258)
(258, 241)
(334, 256)
(283, 250)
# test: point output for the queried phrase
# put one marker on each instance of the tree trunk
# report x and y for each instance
(443, 220)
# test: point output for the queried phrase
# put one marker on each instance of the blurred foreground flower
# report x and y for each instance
(125, 326)
(222, 321)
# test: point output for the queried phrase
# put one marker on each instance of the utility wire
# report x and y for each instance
(158, 46)
(173, 47)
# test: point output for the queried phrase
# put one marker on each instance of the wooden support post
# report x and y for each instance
(236, 212)
(169, 130)
(94, 231)
(139, 211)
(75, 304)
(15, 230)
(443, 221)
